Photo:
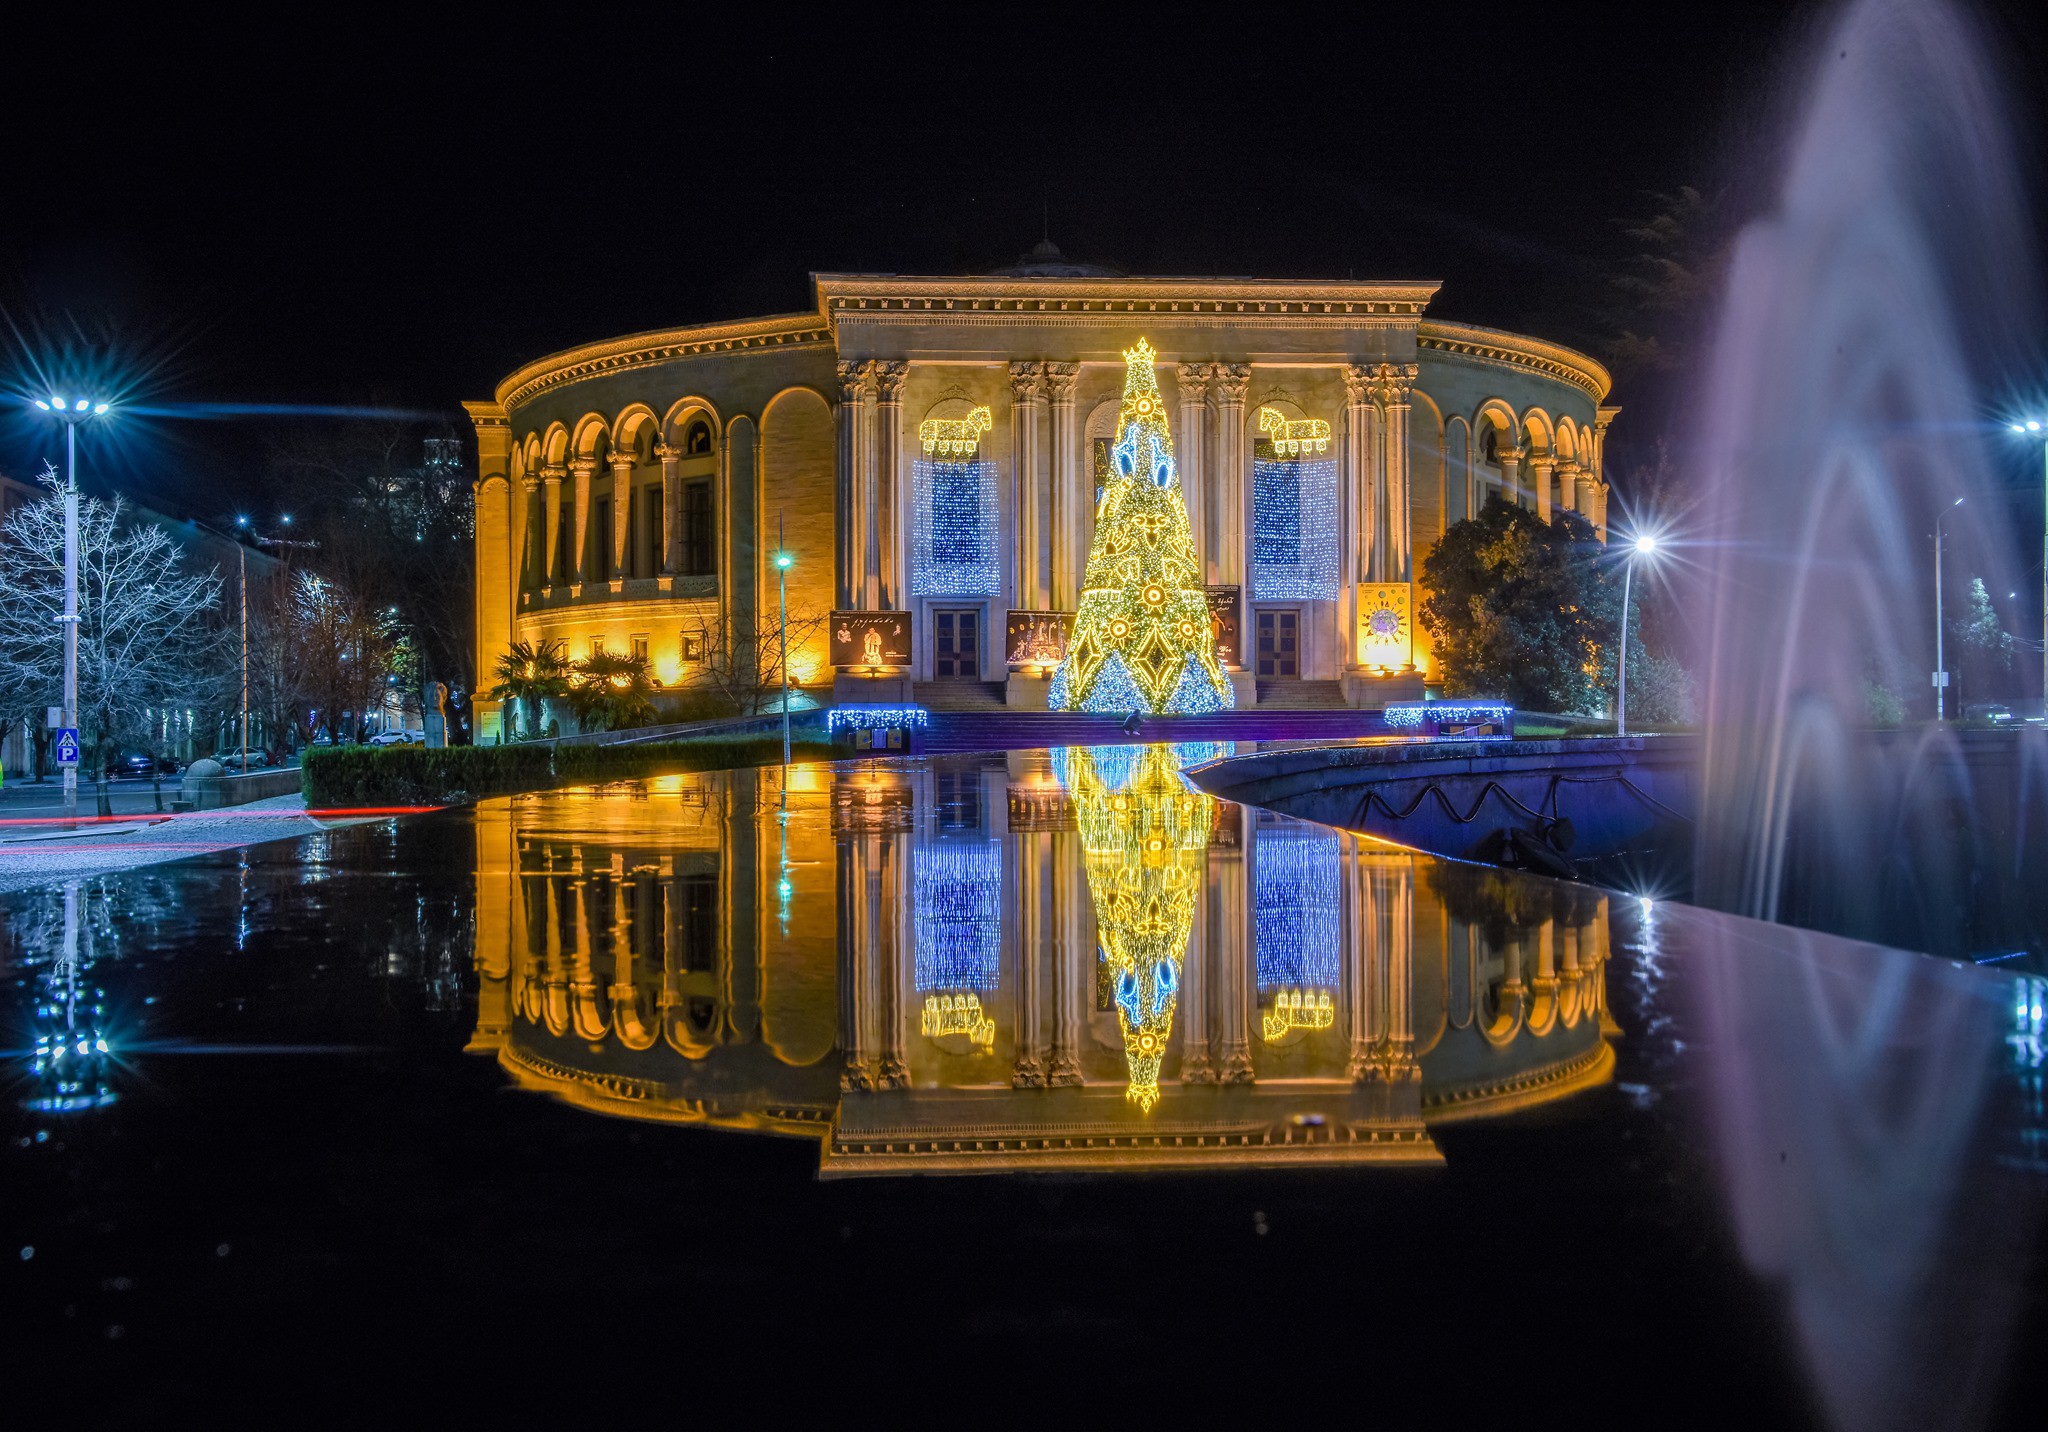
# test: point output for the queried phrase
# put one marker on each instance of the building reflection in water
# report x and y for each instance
(1034, 960)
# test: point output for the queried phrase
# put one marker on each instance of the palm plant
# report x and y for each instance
(612, 691)
(530, 672)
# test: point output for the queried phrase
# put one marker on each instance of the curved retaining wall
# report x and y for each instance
(1455, 798)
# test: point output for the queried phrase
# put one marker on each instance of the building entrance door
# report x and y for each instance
(956, 644)
(1279, 644)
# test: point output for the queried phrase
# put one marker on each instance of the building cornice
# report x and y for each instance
(1513, 350)
(846, 295)
(617, 354)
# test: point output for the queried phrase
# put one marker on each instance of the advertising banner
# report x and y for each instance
(870, 639)
(1225, 605)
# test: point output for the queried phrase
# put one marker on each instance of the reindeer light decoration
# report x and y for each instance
(1294, 437)
(956, 437)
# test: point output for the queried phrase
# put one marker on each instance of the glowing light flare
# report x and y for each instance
(955, 437)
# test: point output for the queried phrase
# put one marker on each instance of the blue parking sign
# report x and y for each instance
(67, 745)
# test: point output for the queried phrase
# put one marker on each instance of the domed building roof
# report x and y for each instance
(1046, 261)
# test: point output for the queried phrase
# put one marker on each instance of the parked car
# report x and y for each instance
(141, 763)
(397, 738)
(258, 758)
(1996, 712)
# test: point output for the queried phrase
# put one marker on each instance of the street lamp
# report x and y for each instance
(2032, 427)
(1940, 667)
(1644, 544)
(246, 534)
(783, 562)
(71, 414)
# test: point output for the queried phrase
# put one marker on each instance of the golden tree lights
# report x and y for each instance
(1142, 639)
(1144, 842)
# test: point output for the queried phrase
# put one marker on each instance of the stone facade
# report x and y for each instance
(630, 491)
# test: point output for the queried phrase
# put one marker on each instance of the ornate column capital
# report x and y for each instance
(1386, 385)
(1543, 464)
(1193, 379)
(530, 482)
(1232, 379)
(1027, 382)
(1510, 456)
(620, 461)
(891, 377)
(667, 454)
(856, 380)
(583, 467)
(1060, 379)
(553, 473)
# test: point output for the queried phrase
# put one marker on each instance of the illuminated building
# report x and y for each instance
(934, 446)
(975, 951)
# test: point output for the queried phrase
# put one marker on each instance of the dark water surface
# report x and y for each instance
(571, 1104)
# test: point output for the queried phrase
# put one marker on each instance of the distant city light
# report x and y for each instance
(784, 560)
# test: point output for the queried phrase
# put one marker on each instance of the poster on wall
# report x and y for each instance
(1036, 638)
(1386, 634)
(870, 639)
(1225, 606)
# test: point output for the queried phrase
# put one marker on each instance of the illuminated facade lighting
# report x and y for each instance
(1143, 624)
(855, 716)
(954, 437)
(1294, 529)
(1297, 437)
(957, 537)
(1297, 924)
(960, 1014)
(957, 916)
(1411, 715)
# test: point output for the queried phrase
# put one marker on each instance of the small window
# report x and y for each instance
(597, 646)
(1489, 447)
(693, 647)
(698, 535)
(639, 647)
(697, 439)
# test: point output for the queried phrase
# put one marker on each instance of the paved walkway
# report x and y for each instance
(36, 851)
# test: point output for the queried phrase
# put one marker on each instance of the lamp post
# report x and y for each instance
(782, 565)
(2032, 427)
(1940, 667)
(71, 414)
(1643, 546)
(245, 531)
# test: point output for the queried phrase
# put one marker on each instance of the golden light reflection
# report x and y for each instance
(1145, 838)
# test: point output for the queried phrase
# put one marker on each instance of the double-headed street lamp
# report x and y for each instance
(1643, 546)
(1940, 667)
(72, 414)
(2032, 427)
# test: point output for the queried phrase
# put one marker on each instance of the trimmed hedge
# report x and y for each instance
(344, 776)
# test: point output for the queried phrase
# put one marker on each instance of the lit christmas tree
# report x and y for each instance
(1142, 640)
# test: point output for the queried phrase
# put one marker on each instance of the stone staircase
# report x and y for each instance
(960, 695)
(1007, 730)
(1302, 696)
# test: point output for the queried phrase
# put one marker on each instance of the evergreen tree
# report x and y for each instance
(1142, 639)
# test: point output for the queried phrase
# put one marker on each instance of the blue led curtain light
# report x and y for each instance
(1294, 529)
(1409, 715)
(957, 913)
(1296, 906)
(957, 535)
(859, 716)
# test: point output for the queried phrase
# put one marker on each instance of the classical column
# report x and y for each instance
(533, 563)
(850, 501)
(857, 973)
(1568, 486)
(1071, 498)
(1030, 1072)
(1387, 387)
(584, 468)
(550, 564)
(866, 585)
(1027, 405)
(622, 514)
(886, 591)
(1232, 504)
(1364, 542)
(1232, 966)
(671, 509)
(884, 853)
(1511, 475)
(1070, 959)
(1397, 1052)
(1192, 458)
(1366, 950)
(1195, 1064)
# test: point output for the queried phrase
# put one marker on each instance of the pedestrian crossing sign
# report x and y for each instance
(67, 745)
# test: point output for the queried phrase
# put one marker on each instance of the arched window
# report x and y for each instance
(697, 439)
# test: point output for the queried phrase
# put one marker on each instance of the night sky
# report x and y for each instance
(397, 209)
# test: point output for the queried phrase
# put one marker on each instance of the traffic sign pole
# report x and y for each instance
(71, 618)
